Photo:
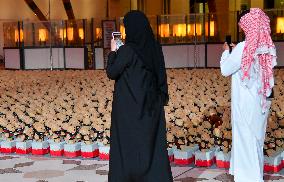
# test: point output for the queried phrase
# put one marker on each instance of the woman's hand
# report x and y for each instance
(112, 45)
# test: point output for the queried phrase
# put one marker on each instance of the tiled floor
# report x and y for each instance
(14, 168)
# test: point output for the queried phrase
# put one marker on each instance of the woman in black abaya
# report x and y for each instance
(138, 148)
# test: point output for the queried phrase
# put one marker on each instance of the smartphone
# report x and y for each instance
(271, 96)
(229, 41)
(117, 37)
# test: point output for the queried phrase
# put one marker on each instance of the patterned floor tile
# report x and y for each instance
(90, 162)
(47, 169)
(225, 178)
(7, 157)
(77, 162)
(9, 170)
(106, 168)
(177, 171)
(273, 178)
(87, 167)
(23, 164)
(10, 163)
(43, 174)
(81, 175)
(102, 172)
(48, 165)
(190, 179)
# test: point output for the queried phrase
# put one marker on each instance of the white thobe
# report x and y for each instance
(248, 121)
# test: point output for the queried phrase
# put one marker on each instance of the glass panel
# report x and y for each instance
(75, 33)
(13, 34)
(168, 29)
(42, 33)
(276, 23)
(153, 22)
(97, 27)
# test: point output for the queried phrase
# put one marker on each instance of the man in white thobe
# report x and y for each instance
(250, 64)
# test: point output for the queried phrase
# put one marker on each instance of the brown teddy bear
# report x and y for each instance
(39, 131)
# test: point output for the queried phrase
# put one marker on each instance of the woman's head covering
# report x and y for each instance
(140, 37)
(259, 54)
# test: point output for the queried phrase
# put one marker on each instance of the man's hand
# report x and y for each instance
(232, 45)
(226, 46)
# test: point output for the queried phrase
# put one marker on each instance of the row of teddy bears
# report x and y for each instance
(76, 106)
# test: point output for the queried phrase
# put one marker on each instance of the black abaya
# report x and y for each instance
(138, 149)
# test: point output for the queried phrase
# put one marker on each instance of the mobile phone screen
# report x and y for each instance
(116, 35)
(228, 39)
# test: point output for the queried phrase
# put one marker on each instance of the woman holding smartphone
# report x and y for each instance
(138, 147)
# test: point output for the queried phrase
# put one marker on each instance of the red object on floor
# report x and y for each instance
(56, 152)
(72, 154)
(223, 164)
(92, 154)
(184, 161)
(269, 168)
(8, 150)
(104, 156)
(40, 151)
(23, 151)
(204, 163)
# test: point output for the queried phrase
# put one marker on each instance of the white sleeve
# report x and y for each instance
(231, 63)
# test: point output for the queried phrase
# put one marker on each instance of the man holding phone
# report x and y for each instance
(229, 43)
(251, 65)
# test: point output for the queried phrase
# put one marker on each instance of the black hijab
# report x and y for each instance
(140, 37)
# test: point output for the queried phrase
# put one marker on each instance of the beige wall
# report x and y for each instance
(234, 5)
(19, 10)
(15, 9)
(179, 7)
(88, 8)
(134, 4)
(256, 3)
(153, 7)
(278, 4)
(56, 9)
(119, 8)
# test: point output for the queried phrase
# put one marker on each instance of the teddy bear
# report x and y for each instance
(9, 131)
(227, 135)
(39, 131)
(71, 134)
(279, 133)
(55, 132)
(87, 134)
(26, 134)
(272, 122)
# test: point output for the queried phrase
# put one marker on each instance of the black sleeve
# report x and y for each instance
(117, 61)
(162, 75)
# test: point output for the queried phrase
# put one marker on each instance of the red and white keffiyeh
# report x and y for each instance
(259, 52)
